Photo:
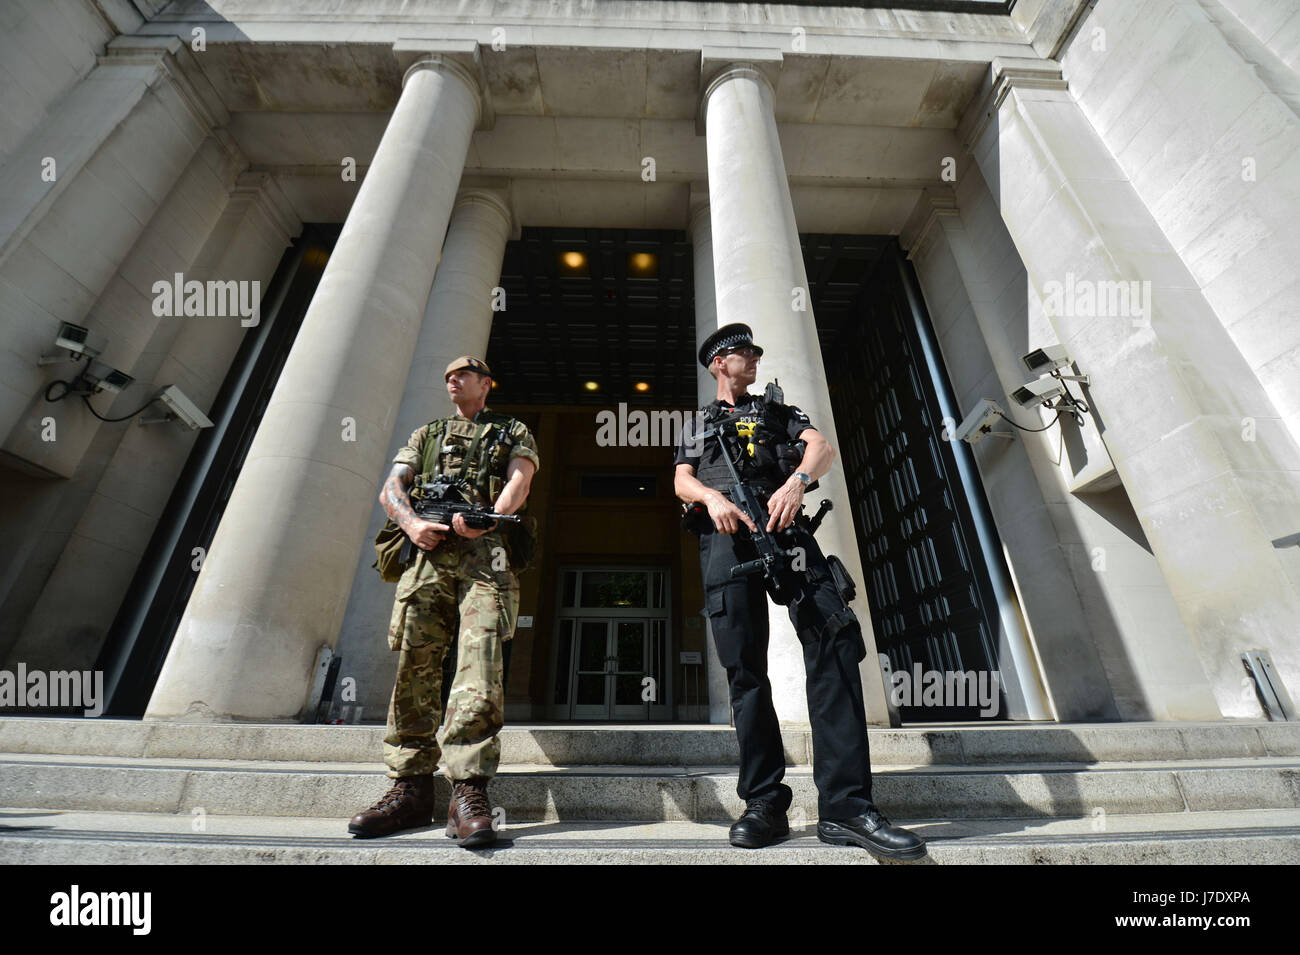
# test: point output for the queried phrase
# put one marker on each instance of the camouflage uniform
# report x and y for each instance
(462, 586)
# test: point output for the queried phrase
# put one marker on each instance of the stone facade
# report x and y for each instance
(1031, 160)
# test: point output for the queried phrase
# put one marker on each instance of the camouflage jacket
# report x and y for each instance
(440, 449)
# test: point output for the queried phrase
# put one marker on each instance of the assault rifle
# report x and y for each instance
(440, 501)
(774, 562)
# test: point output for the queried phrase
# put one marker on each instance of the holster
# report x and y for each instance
(390, 543)
(388, 547)
(696, 520)
(521, 543)
(843, 582)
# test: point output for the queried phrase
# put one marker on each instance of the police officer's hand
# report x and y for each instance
(427, 534)
(783, 506)
(464, 530)
(727, 517)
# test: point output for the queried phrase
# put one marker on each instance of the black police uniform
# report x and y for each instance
(830, 633)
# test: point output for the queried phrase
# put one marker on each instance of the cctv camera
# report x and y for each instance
(101, 377)
(181, 408)
(977, 425)
(1037, 392)
(1042, 360)
(72, 337)
(76, 342)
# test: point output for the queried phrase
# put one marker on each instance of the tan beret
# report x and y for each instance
(470, 363)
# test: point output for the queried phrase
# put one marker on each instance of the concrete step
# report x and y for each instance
(529, 792)
(647, 745)
(102, 838)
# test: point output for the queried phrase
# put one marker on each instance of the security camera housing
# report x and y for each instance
(72, 343)
(1035, 393)
(1040, 361)
(101, 377)
(977, 425)
(185, 410)
(72, 337)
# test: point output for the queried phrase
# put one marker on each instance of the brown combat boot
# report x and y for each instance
(408, 805)
(469, 817)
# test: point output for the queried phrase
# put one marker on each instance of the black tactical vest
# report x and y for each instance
(756, 438)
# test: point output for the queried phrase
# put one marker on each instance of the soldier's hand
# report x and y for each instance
(427, 534)
(464, 530)
(783, 506)
(727, 517)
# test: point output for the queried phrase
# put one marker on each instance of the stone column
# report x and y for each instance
(759, 279)
(83, 592)
(457, 321)
(184, 225)
(700, 231)
(1084, 614)
(133, 124)
(273, 590)
(1209, 465)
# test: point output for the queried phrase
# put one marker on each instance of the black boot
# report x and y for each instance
(873, 832)
(759, 825)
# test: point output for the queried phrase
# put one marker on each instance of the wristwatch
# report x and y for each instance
(803, 477)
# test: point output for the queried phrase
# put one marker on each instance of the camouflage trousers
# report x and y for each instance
(460, 593)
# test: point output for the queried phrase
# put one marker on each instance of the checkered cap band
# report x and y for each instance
(734, 340)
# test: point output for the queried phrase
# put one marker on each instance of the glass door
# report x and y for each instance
(591, 665)
(629, 689)
(612, 646)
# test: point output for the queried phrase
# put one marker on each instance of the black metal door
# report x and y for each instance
(932, 602)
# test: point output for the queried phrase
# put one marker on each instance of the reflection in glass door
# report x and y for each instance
(611, 651)
(611, 670)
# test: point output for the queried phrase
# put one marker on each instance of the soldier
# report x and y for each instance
(459, 584)
(830, 633)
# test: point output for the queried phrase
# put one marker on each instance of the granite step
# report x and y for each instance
(530, 792)
(671, 744)
(103, 838)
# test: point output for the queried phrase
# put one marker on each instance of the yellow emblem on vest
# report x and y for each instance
(746, 430)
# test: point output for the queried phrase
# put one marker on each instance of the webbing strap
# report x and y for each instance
(471, 456)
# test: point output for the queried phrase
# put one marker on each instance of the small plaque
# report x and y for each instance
(690, 657)
(525, 622)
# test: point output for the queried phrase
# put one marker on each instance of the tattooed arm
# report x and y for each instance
(396, 503)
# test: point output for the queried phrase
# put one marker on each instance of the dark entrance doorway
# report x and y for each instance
(933, 602)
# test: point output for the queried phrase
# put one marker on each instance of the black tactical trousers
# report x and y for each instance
(832, 649)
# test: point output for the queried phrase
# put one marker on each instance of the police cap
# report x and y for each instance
(735, 335)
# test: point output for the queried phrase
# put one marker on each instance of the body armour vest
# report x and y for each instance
(755, 435)
(475, 453)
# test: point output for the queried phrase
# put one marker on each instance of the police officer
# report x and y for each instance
(460, 586)
(759, 434)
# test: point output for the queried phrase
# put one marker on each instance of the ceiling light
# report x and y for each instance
(643, 264)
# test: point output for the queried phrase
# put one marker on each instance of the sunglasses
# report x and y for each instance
(746, 351)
